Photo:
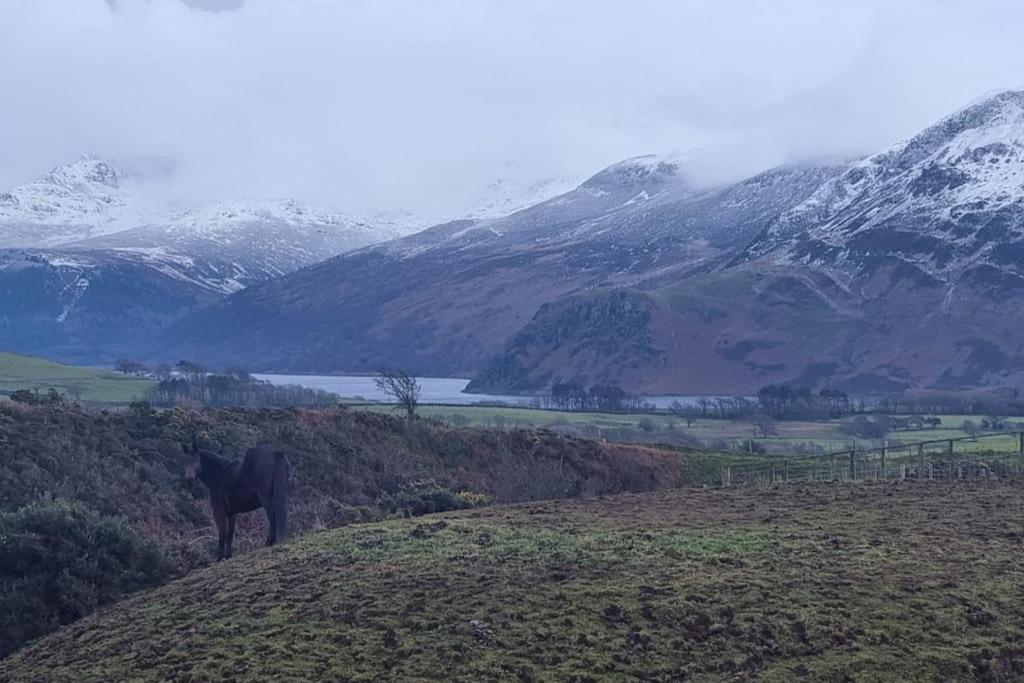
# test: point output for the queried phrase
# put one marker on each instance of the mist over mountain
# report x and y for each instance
(876, 274)
(93, 255)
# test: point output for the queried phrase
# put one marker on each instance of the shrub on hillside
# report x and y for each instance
(422, 498)
(59, 561)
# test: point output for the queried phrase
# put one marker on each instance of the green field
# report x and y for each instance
(877, 582)
(86, 384)
(790, 437)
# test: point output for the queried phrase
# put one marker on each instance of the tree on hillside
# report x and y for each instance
(400, 386)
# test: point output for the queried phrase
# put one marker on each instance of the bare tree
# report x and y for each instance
(765, 426)
(192, 371)
(400, 386)
(704, 403)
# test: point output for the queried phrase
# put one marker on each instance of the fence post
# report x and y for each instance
(1022, 442)
(853, 466)
(885, 451)
(773, 472)
(785, 465)
(920, 455)
(831, 467)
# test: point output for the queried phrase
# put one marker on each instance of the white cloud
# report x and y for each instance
(415, 104)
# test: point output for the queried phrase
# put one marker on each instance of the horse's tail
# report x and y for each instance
(279, 497)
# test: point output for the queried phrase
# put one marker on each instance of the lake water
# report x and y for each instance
(433, 390)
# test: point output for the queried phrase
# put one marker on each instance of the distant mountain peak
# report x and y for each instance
(643, 172)
(87, 170)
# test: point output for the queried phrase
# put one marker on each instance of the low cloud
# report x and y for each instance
(376, 104)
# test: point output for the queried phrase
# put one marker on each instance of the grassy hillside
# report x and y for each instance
(345, 463)
(87, 384)
(347, 466)
(820, 582)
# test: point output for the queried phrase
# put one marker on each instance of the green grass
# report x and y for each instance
(813, 582)
(87, 384)
(791, 436)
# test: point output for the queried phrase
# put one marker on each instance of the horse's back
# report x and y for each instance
(258, 465)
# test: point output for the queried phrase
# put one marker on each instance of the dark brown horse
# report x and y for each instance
(259, 480)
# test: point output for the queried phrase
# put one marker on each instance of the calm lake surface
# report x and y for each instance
(434, 390)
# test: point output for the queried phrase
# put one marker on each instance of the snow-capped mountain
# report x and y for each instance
(506, 196)
(250, 240)
(946, 200)
(905, 269)
(87, 198)
(444, 300)
(88, 259)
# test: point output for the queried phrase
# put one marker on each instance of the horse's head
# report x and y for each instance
(193, 463)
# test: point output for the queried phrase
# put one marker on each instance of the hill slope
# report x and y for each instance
(88, 384)
(441, 302)
(905, 270)
(815, 582)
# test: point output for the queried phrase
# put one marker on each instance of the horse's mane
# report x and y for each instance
(211, 462)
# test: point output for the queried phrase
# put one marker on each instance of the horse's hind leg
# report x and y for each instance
(271, 536)
(267, 502)
(229, 540)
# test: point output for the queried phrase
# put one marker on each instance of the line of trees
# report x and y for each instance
(234, 388)
(600, 397)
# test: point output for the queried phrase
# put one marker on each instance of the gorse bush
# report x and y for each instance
(60, 561)
(423, 498)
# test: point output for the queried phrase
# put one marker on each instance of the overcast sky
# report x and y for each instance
(418, 104)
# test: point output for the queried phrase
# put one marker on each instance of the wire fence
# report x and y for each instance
(985, 456)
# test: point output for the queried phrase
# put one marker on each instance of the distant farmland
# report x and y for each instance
(86, 384)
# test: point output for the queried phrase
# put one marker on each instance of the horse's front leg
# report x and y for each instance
(229, 541)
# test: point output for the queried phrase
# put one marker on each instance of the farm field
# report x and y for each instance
(721, 434)
(86, 384)
(880, 582)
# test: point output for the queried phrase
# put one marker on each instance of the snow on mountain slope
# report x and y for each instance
(506, 196)
(945, 200)
(88, 305)
(251, 240)
(86, 198)
(627, 186)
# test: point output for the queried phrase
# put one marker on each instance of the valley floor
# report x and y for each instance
(896, 581)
